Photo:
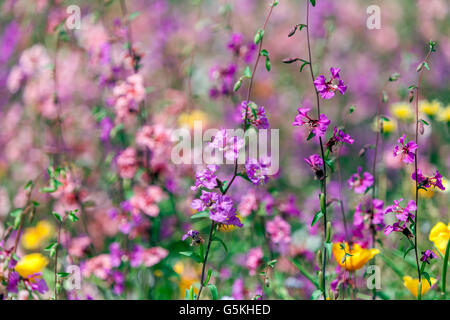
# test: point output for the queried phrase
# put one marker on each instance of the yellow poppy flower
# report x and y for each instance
(444, 114)
(402, 111)
(413, 285)
(31, 264)
(440, 235)
(423, 193)
(188, 119)
(34, 237)
(388, 125)
(430, 108)
(188, 277)
(359, 256)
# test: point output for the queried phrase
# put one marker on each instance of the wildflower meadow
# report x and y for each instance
(224, 150)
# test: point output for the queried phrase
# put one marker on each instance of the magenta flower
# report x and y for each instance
(427, 182)
(428, 255)
(253, 260)
(316, 164)
(256, 116)
(229, 145)
(206, 178)
(326, 88)
(220, 208)
(364, 218)
(279, 231)
(406, 151)
(257, 171)
(194, 235)
(359, 183)
(339, 136)
(317, 127)
(403, 214)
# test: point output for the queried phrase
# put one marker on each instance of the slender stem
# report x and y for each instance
(56, 260)
(444, 270)
(236, 161)
(202, 277)
(324, 181)
(415, 170)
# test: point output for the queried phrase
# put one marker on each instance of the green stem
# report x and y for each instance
(444, 270)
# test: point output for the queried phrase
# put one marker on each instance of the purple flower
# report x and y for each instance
(359, 183)
(339, 136)
(237, 46)
(316, 164)
(326, 88)
(224, 78)
(106, 125)
(229, 145)
(364, 217)
(316, 127)
(119, 280)
(115, 254)
(221, 208)
(427, 255)
(406, 151)
(403, 215)
(427, 182)
(13, 282)
(256, 116)
(194, 235)
(257, 171)
(206, 178)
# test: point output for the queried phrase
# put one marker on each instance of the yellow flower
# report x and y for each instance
(413, 285)
(359, 256)
(389, 125)
(428, 193)
(440, 235)
(402, 111)
(34, 237)
(430, 108)
(188, 277)
(188, 119)
(31, 264)
(444, 114)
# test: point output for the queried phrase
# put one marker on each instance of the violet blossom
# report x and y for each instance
(359, 183)
(326, 88)
(316, 127)
(405, 151)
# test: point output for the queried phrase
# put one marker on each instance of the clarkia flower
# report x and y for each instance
(220, 208)
(326, 88)
(257, 171)
(403, 215)
(316, 127)
(427, 182)
(405, 151)
(194, 235)
(256, 116)
(339, 136)
(364, 217)
(229, 145)
(279, 231)
(206, 178)
(360, 183)
(253, 260)
(428, 255)
(316, 164)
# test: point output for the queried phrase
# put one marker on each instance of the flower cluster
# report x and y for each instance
(404, 216)
(326, 88)
(221, 208)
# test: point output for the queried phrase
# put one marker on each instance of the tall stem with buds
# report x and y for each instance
(235, 173)
(323, 182)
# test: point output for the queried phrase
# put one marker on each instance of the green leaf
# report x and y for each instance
(258, 36)
(310, 136)
(208, 277)
(264, 53)
(221, 242)
(199, 215)
(268, 66)
(425, 64)
(271, 263)
(73, 217)
(212, 288)
(394, 77)
(29, 184)
(317, 216)
(133, 15)
(247, 72)
(313, 2)
(192, 255)
(274, 4)
(424, 122)
(63, 274)
(237, 85)
(411, 247)
(57, 216)
(351, 109)
(427, 276)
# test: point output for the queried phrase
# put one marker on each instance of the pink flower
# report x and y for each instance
(406, 151)
(127, 163)
(427, 182)
(316, 164)
(229, 145)
(316, 127)
(359, 183)
(128, 94)
(279, 231)
(146, 200)
(253, 260)
(326, 88)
